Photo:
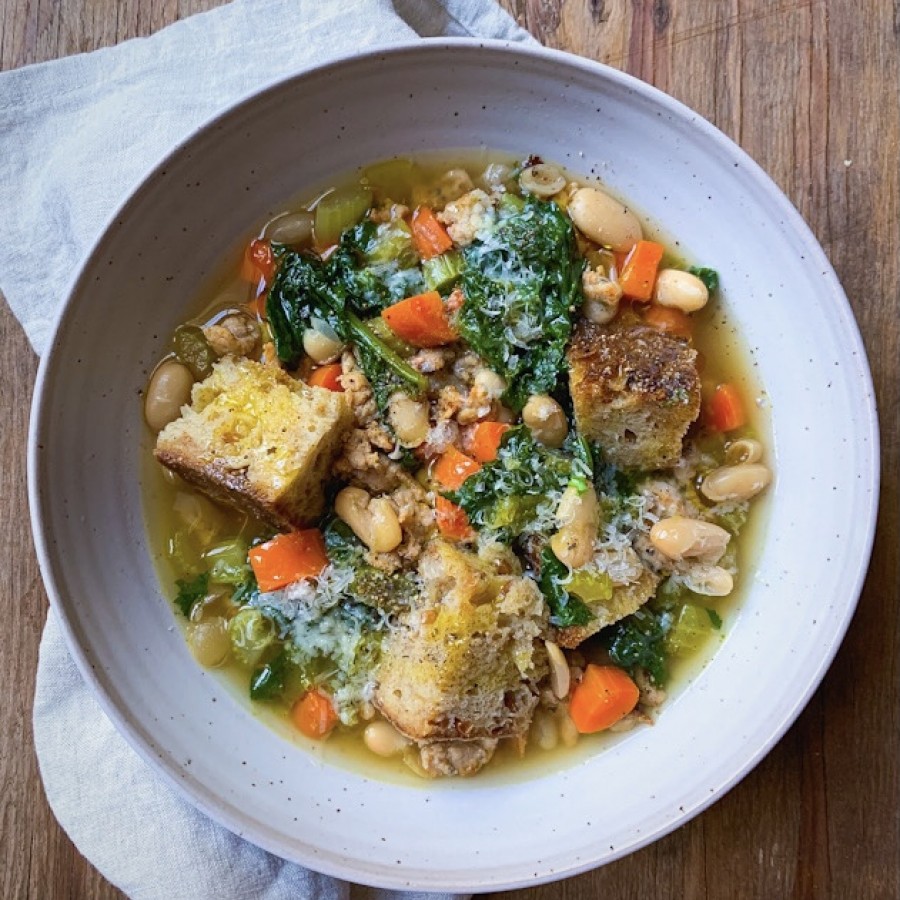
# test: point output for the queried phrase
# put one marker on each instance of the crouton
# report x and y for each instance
(259, 440)
(635, 390)
(626, 599)
(465, 664)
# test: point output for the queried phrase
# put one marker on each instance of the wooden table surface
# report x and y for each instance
(810, 89)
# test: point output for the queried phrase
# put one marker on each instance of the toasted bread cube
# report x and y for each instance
(259, 440)
(635, 390)
(464, 665)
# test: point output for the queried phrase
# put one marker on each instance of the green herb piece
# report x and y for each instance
(190, 593)
(638, 641)
(193, 350)
(715, 618)
(267, 680)
(565, 608)
(522, 286)
(710, 277)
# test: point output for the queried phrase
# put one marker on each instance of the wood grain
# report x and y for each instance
(810, 90)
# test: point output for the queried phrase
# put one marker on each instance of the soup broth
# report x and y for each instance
(432, 229)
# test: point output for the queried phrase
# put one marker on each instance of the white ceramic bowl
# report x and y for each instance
(199, 204)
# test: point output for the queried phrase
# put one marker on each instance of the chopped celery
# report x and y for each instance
(383, 332)
(392, 178)
(228, 562)
(510, 205)
(392, 242)
(590, 585)
(691, 628)
(338, 210)
(442, 271)
(251, 634)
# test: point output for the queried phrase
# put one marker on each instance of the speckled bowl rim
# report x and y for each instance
(377, 874)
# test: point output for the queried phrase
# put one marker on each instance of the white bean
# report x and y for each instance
(603, 219)
(544, 731)
(384, 740)
(578, 516)
(680, 538)
(745, 450)
(568, 731)
(409, 419)
(546, 420)
(321, 348)
(739, 482)
(560, 678)
(373, 521)
(169, 389)
(680, 290)
(711, 581)
(209, 642)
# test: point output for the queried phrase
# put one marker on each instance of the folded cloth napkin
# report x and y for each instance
(75, 136)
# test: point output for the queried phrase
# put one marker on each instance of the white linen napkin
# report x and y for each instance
(76, 135)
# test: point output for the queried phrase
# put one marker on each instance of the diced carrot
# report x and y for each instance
(604, 695)
(669, 320)
(453, 468)
(485, 440)
(452, 520)
(725, 409)
(258, 262)
(429, 236)
(420, 320)
(313, 715)
(288, 558)
(327, 376)
(638, 275)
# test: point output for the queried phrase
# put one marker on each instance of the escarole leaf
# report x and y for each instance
(304, 288)
(522, 285)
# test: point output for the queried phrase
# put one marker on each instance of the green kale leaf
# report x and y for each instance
(518, 492)
(637, 641)
(190, 593)
(710, 277)
(384, 591)
(522, 285)
(565, 609)
(377, 264)
(305, 288)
